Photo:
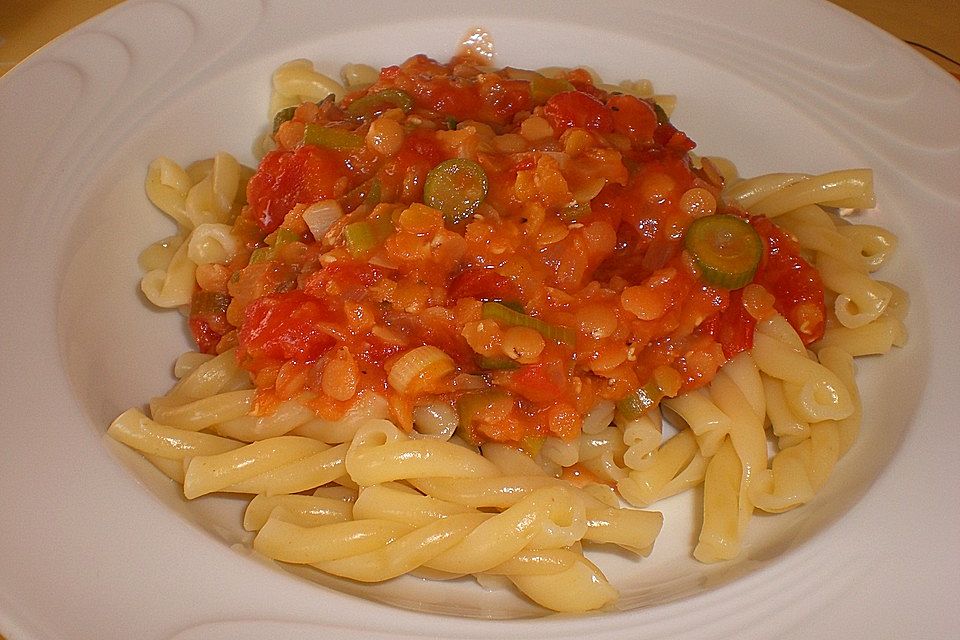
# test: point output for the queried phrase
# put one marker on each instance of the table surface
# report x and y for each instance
(931, 26)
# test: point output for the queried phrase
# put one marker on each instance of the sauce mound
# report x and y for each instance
(505, 246)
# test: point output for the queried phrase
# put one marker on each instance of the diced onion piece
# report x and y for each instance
(320, 216)
(420, 369)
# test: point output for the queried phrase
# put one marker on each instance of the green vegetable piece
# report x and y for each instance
(331, 137)
(662, 117)
(363, 236)
(262, 254)
(496, 364)
(284, 115)
(543, 88)
(360, 238)
(456, 187)
(503, 314)
(726, 250)
(284, 236)
(640, 401)
(371, 105)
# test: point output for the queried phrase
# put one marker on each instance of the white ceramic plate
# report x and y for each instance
(94, 545)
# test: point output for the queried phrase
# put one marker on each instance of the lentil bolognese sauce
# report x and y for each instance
(518, 245)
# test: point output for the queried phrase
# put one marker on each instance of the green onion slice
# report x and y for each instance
(331, 137)
(284, 115)
(662, 117)
(456, 187)
(363, 236)
(505, 315)
(375, 103)
(542, 88)
(496, 364)
(640, 401)
(726, 250)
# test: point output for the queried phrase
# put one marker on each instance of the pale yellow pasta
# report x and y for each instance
(303, 510)
(652, 482)
(561, 453)
(510, 460)
(899, 301)
(797, 472)
(393, 501)
(139, 432)
(407, 552)
(284, 419)
(218, 472)
(848, 188)
(538, 562)
(380, 452)
(206, 377)
(874, 244)
(641, 436)
(783, 421)
(167, 185)
(173, 285)
(203, 412)
(699, 412)
(211, 242)
(357, 76)
(877, 337)
(860, 299)
(297, 81)
(158, 254)
(599, 417)
(580, 588)
(216, 186)
(631, 529)
(318, 469)
(289, 542)
(169, 467)
(721, 534)
(815, 230)
(813, 391)
(435, 420)
(495, 491)
(738, 392)
(746, 193)
(840, 362)
(548, 518)
(190, 361)
(602, 454)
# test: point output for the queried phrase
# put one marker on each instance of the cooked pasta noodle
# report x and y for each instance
(432, 341)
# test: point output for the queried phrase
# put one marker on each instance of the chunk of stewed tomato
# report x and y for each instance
(285, 178)
(571, 109)
(795, 284)
(285, 326)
